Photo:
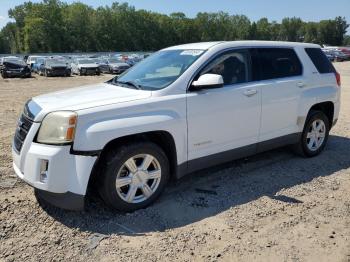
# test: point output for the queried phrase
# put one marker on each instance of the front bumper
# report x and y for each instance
(54, 72)
(89, 71)
(10, 73)
(118, 70)
(66, 177)
(69, 201)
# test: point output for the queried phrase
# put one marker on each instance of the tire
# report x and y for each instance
(310, 147)
(3, 74)
(115, 167)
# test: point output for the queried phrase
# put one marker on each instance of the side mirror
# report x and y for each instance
(207, 81)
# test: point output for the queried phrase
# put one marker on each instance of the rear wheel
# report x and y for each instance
(314, 136)
(134, 176)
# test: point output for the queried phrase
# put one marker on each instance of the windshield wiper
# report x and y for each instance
(129, 83)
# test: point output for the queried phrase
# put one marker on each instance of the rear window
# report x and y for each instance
(279, 63)
(320, 60)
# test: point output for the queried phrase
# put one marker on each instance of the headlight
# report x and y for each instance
(58, 128)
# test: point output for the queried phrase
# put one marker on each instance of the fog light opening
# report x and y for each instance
(44, 166)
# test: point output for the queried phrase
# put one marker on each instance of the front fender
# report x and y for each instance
(94, 135)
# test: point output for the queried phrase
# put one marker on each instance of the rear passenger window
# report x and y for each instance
(320, 60)
(278, 63)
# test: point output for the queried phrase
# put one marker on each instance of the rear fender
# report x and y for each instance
(313, 96)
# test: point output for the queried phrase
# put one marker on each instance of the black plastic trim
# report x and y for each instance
(204, 87)
(334, 122)
(85, 153)
(237, 153)
(278, 142)
(68, 200)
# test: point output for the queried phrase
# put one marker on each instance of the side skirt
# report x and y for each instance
(237, 153)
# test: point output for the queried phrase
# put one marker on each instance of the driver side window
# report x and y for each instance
(233, 66)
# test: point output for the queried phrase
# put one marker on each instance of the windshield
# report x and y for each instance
(160, 69)
(86, 61)
(14, 61)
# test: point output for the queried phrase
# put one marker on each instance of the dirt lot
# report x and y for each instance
(271, 207)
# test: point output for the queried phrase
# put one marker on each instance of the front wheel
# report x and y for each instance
(315, 135)
(134, 176)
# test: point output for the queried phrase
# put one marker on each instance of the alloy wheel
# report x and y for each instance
(316, 135)
(138, 178)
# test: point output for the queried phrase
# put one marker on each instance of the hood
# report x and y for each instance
(87, 65)
(88, 96)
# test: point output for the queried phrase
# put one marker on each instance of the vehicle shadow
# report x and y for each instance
(212, 191)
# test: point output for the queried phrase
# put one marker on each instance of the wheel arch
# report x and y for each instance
(327, 108)
(160, 137)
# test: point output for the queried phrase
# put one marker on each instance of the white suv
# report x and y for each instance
(182, 109)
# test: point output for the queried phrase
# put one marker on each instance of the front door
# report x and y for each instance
(226, 118)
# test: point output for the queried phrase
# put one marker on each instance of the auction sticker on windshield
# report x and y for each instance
(192, 52)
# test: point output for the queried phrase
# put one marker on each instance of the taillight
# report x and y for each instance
(337, 76)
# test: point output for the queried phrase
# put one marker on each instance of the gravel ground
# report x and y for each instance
(273, 206)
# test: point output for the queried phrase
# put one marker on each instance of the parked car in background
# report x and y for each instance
(329, 54)
(133, 59)
(182, 109)
(14, 67)
(32, 59)
(54, 67)
(38, 63)
(4, 58)
(346, 51)
(85, 66)
(339, 56)
(112, 66)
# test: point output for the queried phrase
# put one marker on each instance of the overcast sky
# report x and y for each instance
(308, 10)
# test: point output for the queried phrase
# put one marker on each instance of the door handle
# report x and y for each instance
(250, 92)
(301, 84)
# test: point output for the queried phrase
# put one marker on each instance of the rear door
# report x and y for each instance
(281, 78)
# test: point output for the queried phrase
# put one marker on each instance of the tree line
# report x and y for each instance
(55, 26)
